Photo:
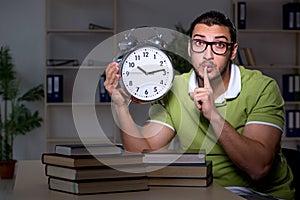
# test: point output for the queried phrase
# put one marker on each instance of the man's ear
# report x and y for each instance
(234, 51)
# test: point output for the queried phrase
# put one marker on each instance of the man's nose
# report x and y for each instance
(208, 53)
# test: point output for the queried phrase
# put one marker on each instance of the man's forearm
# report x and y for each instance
(247, 153)
(131, 136)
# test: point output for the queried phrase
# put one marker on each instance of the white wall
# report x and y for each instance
(22, 28)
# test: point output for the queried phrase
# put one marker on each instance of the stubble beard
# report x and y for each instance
(219, 75)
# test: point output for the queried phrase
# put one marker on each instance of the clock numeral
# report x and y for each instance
(137, 57)
(154, 56)
(146, 92)
(155, 89)
(161, 82)
(130, 83)
(137, 89)
(127, 73)
(161, 63)
(131, 64)
(146, 54)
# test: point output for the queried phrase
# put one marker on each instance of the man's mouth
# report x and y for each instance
(208, 67)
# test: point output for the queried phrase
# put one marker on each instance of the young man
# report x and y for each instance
(234, 113)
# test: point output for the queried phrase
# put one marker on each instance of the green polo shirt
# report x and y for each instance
(250, 98)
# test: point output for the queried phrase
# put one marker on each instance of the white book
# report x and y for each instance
(170, 156)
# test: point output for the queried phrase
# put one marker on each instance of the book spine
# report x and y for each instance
(241, 58)
(249, 55)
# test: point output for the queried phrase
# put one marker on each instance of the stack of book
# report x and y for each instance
(173, 168)
(92, 169)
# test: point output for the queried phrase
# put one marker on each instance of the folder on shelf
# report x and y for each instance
(241, 15)
(291, 16)
(54, 88)
(291, 87)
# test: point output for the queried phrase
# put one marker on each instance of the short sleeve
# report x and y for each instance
(269, 107)
(159, 114)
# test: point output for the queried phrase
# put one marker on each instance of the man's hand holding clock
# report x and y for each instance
(111, 83)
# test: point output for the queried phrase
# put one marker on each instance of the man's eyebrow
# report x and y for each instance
(222, 36)
(217, 37)
(198, 35)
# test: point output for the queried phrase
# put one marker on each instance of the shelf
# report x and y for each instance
(280, 31)
(277, 66)
(77, 67)
(272, 47)
(78, 104)
(292, 139)
(292, 102)
(69, 35)
(79, 31)
(76, 140)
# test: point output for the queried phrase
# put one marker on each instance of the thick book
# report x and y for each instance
(125, 158)
(94, 149)
(180, 170)
(90, 173)
(174, 156)
(183, 182)
(98, 186)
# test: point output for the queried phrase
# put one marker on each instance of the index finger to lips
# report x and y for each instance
(206, 79)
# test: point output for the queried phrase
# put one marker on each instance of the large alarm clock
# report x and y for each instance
(146, 73)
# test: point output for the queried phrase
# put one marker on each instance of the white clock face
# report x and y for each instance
(147, 73)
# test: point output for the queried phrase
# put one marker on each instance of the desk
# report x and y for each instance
(31, 184)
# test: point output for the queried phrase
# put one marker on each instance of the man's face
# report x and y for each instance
(216, 64)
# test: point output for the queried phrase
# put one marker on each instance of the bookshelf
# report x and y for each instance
(73, 28)
(276, 50)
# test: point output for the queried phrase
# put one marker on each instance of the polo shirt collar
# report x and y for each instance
(234, 87)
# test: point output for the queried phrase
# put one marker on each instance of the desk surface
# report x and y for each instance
(31, 183)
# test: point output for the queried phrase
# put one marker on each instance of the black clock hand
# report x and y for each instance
(142, 70)
(160, 70)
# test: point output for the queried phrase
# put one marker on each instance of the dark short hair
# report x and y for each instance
(215, 18)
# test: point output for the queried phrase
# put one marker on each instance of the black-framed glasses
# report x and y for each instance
(219, 48)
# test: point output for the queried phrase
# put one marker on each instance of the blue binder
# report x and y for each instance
(292, 124)
(54, 88)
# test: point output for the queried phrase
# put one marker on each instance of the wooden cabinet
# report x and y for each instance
(276, 50)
